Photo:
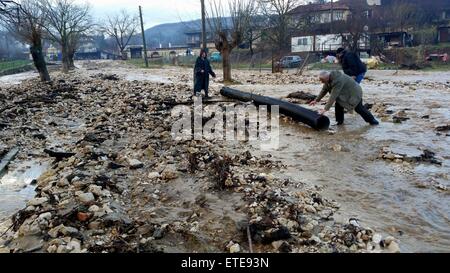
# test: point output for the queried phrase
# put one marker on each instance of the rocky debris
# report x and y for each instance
(135, 164)
(427, 156)
(400, 116)
(90, 201)
(302, 96)
(58, 155)
(443, 129)
(107, 77)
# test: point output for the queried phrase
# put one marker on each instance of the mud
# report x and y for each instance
(172, 203)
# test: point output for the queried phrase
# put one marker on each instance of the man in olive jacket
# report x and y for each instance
(345, 93)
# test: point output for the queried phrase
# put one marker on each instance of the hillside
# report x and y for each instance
(170, 33)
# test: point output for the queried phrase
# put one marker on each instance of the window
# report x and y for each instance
(338, 15)
(302, 41)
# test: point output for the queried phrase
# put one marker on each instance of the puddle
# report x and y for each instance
(17, 78)
(15, 188)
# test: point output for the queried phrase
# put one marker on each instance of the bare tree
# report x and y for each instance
(66, 23)
(355, 28)
(279, 23)
(25, 23)
(122, 27)
(230, 28)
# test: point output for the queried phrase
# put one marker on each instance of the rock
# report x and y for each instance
(97, 190)
(235, 248)
(45, 216)
(337, 148)
(158, 233)
(276, 234)
(310, 209)
(83, 217)
(29, 229)
(68, 231)
(135, 164)
(282, 246)
(55, 231)
(153, 175)
(394, 247)
(52, 249)
(37, 201)
(94, 225)
(307, 227)
(388, 240)
(93, 208)
(277, 244)
(169, 173)
(74, 246)
(116, 218)
(86, 198)
(302, 96)
(376, 238)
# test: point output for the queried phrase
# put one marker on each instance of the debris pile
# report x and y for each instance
(119, 182)
(427, 156)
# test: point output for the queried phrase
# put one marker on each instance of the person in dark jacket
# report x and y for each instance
(351, 64)
(202, 71)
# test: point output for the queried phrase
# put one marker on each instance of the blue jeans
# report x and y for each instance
(360, 77)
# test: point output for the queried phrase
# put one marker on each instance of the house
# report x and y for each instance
(134, 51)
(322, 23)
(444, 34)
(327, 43)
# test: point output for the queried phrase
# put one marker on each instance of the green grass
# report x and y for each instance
(437, 67)
(12, 65)
(140, 63)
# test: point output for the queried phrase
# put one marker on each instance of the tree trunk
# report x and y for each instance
(226, 64)
(71, 57)
(65, 59)
(39, 61)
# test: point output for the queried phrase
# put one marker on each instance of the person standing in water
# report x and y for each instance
(351, 64)
(202, 70)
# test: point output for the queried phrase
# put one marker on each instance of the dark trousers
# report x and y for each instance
(360, 109)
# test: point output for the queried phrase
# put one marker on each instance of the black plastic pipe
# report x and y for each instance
(306, 116)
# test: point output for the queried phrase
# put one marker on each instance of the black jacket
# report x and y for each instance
(352, 64)
(202, 79)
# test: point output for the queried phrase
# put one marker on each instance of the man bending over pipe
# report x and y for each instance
(345, 93)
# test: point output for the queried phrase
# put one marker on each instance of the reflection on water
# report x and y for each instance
(15, 188)
(383, 195)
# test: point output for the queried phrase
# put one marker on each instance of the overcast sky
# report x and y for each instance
(155, 12)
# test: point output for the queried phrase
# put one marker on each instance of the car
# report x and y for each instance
(216, 57)
(290, 61)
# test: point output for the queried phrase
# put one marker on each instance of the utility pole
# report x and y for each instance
(203, 25)
(332, 19)
(143, 37)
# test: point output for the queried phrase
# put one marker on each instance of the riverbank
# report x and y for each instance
(126, 186)
(15, 67)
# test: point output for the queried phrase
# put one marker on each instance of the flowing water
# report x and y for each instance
(403, 201)
(16, 185)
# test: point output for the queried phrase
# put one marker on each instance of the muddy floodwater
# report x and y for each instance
(16, 186)
(409, 201)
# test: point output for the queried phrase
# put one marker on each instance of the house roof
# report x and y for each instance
(319, 7)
